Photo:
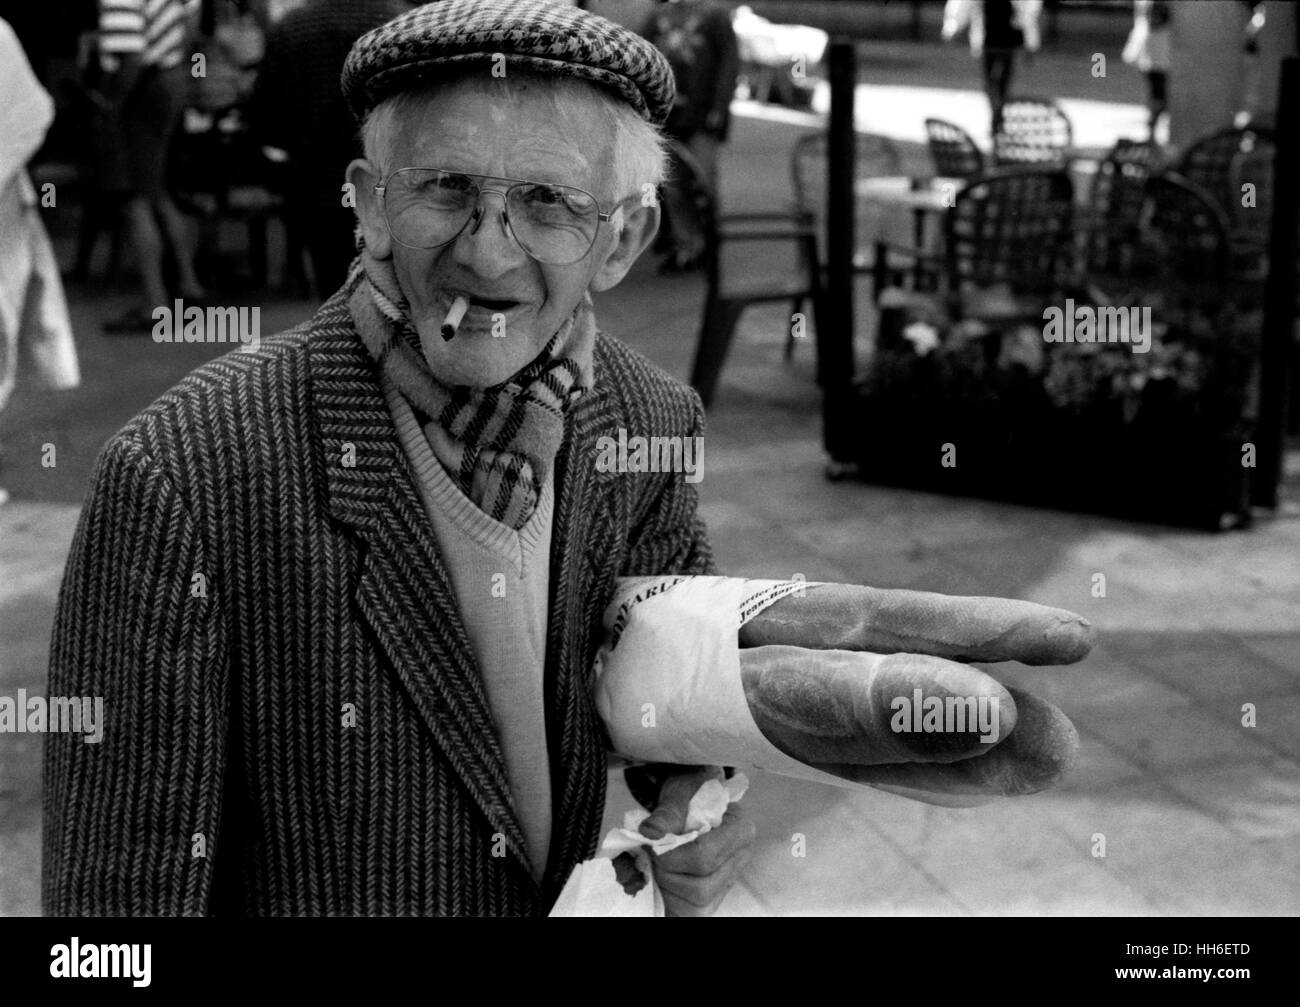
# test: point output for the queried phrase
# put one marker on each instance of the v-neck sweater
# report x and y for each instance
(501, 578)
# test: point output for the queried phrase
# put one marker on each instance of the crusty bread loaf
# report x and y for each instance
(852, 617)
(839, 706)
(1040, 749)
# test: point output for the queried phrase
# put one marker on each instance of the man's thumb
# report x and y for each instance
(669, 815)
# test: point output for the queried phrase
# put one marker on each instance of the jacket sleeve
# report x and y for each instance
(131, 818)
(671, 537)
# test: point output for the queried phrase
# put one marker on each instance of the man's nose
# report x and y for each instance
(485, 246)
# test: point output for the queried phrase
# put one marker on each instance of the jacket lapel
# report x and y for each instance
(403, 590)
(584, 527)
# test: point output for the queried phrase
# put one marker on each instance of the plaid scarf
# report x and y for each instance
(497, 443)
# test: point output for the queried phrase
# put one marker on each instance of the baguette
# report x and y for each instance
(852, 617)
(838, 706)
(1040, 750)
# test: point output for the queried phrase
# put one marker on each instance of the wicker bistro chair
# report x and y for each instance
(1012, 228)
(952, 150)
(1114, 207)
(1173, 238)
(1034, 131)
(1222, 163)
(1190, 234)
(750, 258)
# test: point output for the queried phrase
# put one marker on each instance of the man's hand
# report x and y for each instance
(695, 878)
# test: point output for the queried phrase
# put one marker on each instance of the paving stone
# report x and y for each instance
(1281, 649)
(20, 857)
(1099, 768)
(847, 867)
(1071, 888)
(1177, 856)
(1277, 720)
(1258, 801)
(721, 515)
(915, 570)
(741, 901)
(1213, 667)
(1168, 740)
(1101, 682)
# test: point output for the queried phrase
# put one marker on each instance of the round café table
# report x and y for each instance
(925, 197)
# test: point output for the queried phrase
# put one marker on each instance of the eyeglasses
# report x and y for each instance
(428, 207)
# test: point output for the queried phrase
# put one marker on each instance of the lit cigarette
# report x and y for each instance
(452, 322)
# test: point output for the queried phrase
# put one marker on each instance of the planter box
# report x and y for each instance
(1167, 465)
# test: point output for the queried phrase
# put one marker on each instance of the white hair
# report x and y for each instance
(634, 158)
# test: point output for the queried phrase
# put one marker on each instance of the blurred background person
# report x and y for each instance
(700, 44)
(140, 98)
(998, 29)
(1148, 49)
(33, 312)
(297, 107)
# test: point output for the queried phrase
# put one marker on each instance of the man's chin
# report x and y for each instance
(475, 357)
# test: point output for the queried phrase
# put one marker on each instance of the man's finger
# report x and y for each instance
(852, 617)
(688, 895)
(703, 856)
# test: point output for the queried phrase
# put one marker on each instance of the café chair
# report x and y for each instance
(1222, 163)
(1008, 241)
(1114, 206)
(750, 258)
(952, 150)
(1034, 131)
(875, 156)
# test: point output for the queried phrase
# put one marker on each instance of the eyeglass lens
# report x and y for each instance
(426, 208)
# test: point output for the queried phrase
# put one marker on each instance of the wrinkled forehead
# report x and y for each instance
(529, 127)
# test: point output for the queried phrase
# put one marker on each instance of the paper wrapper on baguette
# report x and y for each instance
(673, 685)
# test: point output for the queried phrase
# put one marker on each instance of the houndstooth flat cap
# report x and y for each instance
(542, 36)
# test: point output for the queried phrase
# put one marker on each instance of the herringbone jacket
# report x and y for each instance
(294, 720)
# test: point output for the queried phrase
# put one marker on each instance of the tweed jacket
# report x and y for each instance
(294, 720)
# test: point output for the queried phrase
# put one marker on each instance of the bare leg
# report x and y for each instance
(174, 226)
(148, 246)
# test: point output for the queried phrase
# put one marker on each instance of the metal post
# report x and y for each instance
(835, 335)
(1279, 294)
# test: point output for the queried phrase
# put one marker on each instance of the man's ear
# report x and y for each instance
(363, 179)
(640, 224)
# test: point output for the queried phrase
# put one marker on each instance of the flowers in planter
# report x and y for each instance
(1200, 362)
(923, 336)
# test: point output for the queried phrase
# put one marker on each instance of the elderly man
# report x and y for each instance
(341, 594)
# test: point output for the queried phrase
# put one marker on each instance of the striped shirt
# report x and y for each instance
(154, 30)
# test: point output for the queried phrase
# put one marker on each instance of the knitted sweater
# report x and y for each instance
(294, 723)
(500, 577)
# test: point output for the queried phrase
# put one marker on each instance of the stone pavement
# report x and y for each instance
(1199, 814)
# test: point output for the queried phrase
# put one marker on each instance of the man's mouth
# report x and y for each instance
(491, 303)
